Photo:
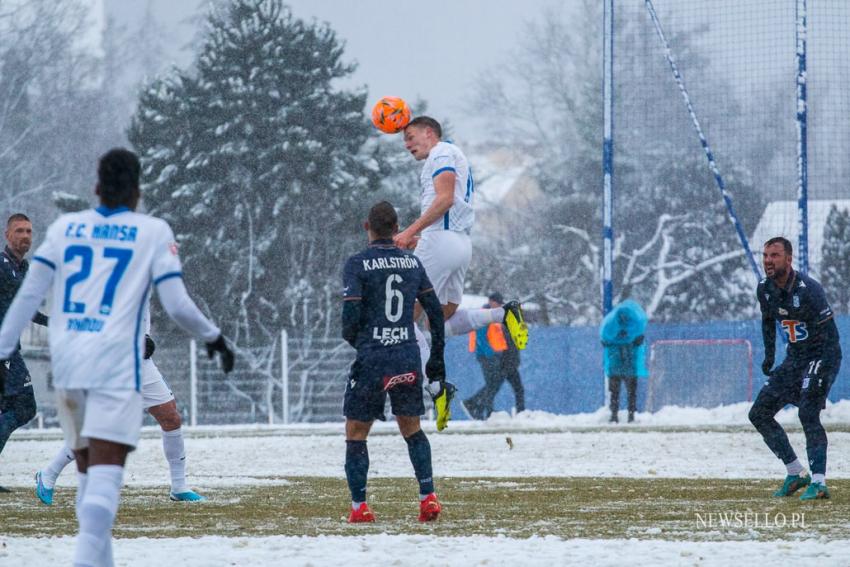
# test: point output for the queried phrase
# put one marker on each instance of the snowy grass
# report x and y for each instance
(564, 507)
(681, 487)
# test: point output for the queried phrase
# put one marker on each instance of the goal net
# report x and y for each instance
(699, 373)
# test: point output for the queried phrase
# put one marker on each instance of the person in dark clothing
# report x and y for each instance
(813, 357)
(499, 359)
(622, 335)
(381, 285)
(17, 399)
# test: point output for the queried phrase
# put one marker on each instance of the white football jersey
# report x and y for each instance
(105, 263)
(446, 156)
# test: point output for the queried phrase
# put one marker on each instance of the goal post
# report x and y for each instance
(699, 373)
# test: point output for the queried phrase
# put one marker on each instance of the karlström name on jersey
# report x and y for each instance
(391, 263)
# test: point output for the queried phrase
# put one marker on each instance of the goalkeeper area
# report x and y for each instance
(684, 487)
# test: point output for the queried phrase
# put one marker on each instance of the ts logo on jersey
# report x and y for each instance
(795, 331)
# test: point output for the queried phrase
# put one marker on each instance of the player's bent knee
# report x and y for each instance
(757, 415)
(167, 416)
(24, 408)
(408, 424)
(31, 409)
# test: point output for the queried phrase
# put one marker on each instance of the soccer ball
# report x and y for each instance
(390, 114)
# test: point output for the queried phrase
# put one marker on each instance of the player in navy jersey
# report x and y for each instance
(382, 284)
(813, 357)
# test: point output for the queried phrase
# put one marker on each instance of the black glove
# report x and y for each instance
(150, 346)
(224, 351)
(767, 366)
(435, 369)
(638, 341)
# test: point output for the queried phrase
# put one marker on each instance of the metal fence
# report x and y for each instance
(290, 380)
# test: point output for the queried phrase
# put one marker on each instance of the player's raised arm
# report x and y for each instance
(444, 184)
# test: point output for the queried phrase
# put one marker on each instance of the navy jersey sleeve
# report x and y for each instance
(820, 309)
(352, 285)
(762, 299)
(424, 282)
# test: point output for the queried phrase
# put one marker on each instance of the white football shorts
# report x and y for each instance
(111, 415)
(154, 389)
(445, 254)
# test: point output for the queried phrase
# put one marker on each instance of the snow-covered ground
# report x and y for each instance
(424, 551)
(675, 442)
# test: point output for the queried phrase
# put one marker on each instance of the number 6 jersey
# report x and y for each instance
(387, 280)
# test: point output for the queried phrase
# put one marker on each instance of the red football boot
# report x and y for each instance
(362, 514)
(429, 508)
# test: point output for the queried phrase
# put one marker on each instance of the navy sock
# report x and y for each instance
(419, 450)
(356, 469)
(817, 458)
(816, 441)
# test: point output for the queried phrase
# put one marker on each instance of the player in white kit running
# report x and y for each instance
(441, 233)
(159, 402)
(102, 263)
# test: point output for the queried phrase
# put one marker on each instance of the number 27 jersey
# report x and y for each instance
(104, 263)
(387, 280)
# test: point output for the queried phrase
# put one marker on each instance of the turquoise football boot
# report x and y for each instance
(188, 496)
(44, 494)
(793, 483)
(816, 491)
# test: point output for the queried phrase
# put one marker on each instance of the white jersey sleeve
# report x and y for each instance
(105, 263)
(446, 157)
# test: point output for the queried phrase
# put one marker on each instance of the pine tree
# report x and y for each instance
(835, 263)
(261, 166)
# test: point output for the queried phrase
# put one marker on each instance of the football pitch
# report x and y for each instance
(541, 490)
(673, 509)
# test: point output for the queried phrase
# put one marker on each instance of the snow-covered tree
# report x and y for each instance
(261, 165)
(51, 106)
(835, 263)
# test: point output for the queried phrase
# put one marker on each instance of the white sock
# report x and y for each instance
(465, 320)
(355, 505)
(175, 454)
(424, 349)
(106, 555)
(54, 469)
(81, 490)
(794, 467)
(97, 514)
(821, 478)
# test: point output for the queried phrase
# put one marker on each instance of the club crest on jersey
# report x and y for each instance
(796, 301)
(408, 378)
(782, 311)
(795, 331)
